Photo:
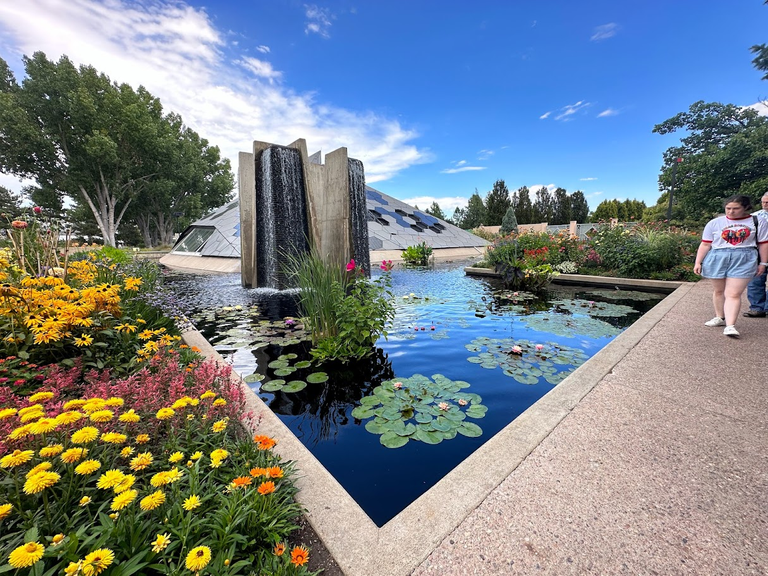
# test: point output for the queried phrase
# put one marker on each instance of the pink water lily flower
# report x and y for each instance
(397, 385)
(539, 347)
(444, 406)
(516, 350)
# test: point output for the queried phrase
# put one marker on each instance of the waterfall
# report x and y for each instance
(358, 215)
(281, 213)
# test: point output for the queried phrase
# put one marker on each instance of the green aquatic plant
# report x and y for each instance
(568, 325)
(593, 308)
(526, 361)
(420, 409)
(619, 294)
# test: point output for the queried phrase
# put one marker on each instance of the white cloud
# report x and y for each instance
(319, 20)
(447, 203)
(485, 154)
(536, 187)
(604, 32)
(566, 112)
(590, 179)
(462, 169)
(545, 115)
(461, 163)
(177, 53)
(761, 107)
(263, 49)
(608, 112)
(593, 194)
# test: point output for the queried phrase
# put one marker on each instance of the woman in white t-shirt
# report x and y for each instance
(728, 255)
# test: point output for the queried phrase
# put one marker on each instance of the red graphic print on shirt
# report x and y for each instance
(736, 236)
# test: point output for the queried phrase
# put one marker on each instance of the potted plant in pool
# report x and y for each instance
(417, 255)
(518, 273)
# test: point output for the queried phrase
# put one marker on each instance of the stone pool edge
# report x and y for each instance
(397, 548)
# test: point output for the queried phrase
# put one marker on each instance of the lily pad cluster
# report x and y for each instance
(421, 410)
(526, 361)
(569, 326)
(625, 295)
(282, 367)
(239, 327)
(593, 308)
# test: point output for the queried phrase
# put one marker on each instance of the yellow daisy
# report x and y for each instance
(7, 413)
(73, 404)
(152, 501)
(129, 416)
(161, 542)
(142, 461)
(33, 415)
(97, 561)
(176, 457)
(219, 402)
(191, 503)
(69, 417)
(142, 438)
(40, 482)
(5, 510)
(16, 458)
(85, 435)
(40, 397)
(124, 499)
(42, 467)
(198, 558)
(125, 483)
(87, 467)
(114, 402)
(51, 450)
(85, 500)
(219, 426)
(19, 432)
(165, 413)
(74, 454)
(27, 555)
(127, 451)
(43, 426)
(110, 479)
(102, 416)
(114, 438)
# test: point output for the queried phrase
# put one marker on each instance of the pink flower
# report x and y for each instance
(351, 265)
(444, 406)
(386, 265)
(37, 210)
(539, 347)
(290, 322)
(462, 402)
(432, 328)
(516, 350)
(397, 385)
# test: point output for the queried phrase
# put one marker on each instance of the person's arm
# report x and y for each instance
(762, 249)
(704, 247)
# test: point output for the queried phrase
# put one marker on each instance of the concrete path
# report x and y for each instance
(661, 469)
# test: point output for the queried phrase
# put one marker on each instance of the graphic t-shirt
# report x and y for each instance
(723, 232)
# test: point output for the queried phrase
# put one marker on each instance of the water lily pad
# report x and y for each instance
(317, 377)
(470, 430)
(303, 364)
(278, 364)
(593, 308)
(294, 386)
(392, 440)
(285, 371)
(255, 377)
(569, 326)
(273, 386)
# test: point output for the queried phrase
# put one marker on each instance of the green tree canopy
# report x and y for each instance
(496, 203)
(103, 145)
(579, 207)
(521, 202)
(561, 207)
(436, 211)
(509, 224)
(543, 206)
(474, 215)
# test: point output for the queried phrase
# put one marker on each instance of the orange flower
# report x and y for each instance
(299, 556)
(266, 488)
(279, 548)
(256, 472)
(264, 442)
(241, 481)
(275, 472)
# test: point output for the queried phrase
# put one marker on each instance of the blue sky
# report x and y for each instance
(436, 98)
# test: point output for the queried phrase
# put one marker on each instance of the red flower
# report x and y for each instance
(351, 265)
(37, 210)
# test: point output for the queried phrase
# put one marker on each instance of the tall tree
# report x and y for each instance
(474, 215)
(457, 218)
(606, 210)
(542, 206)
(724, 153)
(10, 205)
(496, 203)
(436, 211)
(761, 60)
(523, 206)
(579, 207)
(561, 207)
(509, 224)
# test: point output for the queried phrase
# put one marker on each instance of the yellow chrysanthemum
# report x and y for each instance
(58, 539)
(110, 479)
(198, 558)
(69, 417)
(42, 467)
(73, 568)
(40, 482)
(94, 404)
(191, 503)
(219, 426)
(113, 438)
(74, 454)
(142, 461)
(127, 451)
(124, 499)
(142, 438)
(102, 416)
(5, 510)
(85, 500)
(19, 432)
(207, 394)
(97, 561)
(34, 415)
(196, 456)
(87, 467)
(146, 334)
(152, 501)
(129, 416)
(161, 542)
(219, 402)
(40, 397)
(219, 454)
(16, 458)
(8, 413)
(73, 404)
(165, 413)
(114, 402)
(125, 483)
(43, 426)
(29, 409)
(181, 403)
(51, 450)
(85, 435)
(27, 555)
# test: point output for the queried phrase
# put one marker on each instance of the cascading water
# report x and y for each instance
(358, 211)
(281, 213)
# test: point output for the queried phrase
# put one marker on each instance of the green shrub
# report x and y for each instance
(417, 255)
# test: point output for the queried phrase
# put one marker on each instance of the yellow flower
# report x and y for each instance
(43, 426)
(40, 397)
(16, 458)
(198, 558)
(196, 456)
(93, 404)
(176, 457)
(165, 413)
(129, 416)
(146, 334)
(51, 450)
(33, 415)
(84, 340)
(142, 438)
(191, 503)
(142, 460)
(29, 409)
(42, 467)
(114, 402)
(110, 479)
(219, 454)
(207, 394)
(125, 483)
(97, 561)
(69, 417)
(219, 402)
(113, 438)
(87, 467)
(7, 413)
(114, 515)
(58, 539)
(5, 510)
(161, 542)
(26, 555)
(127, 451)
(166, 477)
(152, 501)
(219, 426)
(73, 568)
(73, 404)
(40, 482)
(85, 500)
(130, 328)
(74, 454)
(181, 403)
(124, 499)
(102, 416)
(19, 432)
(85, 435)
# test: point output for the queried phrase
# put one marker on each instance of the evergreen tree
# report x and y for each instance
(561, 210)
(524, 208)
(435, 211)
(10, 205)
(497, 202)
(542, 206)
(458, 217)
(579, 207)
(509, 224)
(475, 214)
(606, 210)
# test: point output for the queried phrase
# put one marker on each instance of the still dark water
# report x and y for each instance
(461, 309)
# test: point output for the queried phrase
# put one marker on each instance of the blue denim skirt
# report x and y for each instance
(730, 263)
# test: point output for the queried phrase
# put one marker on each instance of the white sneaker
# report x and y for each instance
(716, 321)
(731, 331)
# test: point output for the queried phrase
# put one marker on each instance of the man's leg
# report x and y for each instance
(756, 296)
